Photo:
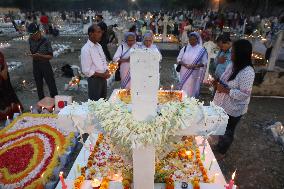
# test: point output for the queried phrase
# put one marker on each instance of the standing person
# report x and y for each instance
(9, 103)
(193, 60)
(223, 58)
(122, 56)
(234, 90)
(148, 43)
(94, 64)
(44, 22)
(104, 39)
(42, 53)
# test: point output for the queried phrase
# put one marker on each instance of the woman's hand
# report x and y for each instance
(222, 89)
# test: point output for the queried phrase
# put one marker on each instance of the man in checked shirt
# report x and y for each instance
(41, 53)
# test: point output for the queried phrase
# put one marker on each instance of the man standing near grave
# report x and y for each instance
(42, 53)
(94, 64)
(105, 38)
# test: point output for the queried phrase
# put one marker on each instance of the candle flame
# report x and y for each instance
(233, 175)
(57, 148)
(42, 175)
(188, 153)
(61, 173)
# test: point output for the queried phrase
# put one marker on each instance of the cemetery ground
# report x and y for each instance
(254, 153)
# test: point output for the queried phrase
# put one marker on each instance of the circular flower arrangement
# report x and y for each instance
(30, 150)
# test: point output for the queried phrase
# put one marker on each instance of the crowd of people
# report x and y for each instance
(232, 69)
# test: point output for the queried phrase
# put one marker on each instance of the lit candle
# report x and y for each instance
(78, 168)
(64, 186)
(57, 151)
(96, 184)
(214, 177)
(20, 110)
(231, 183)
(8, 121)
(188, 154)
(42, 179)
(53, 110)
(24, 83)
(31, 109)
(42, 108)
(172, 87)
(117, 177)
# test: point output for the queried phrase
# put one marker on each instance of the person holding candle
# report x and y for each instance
(122, 56)
(193, 60)
(223, 58)
(94, 64)
(234, 91)
(9, 103)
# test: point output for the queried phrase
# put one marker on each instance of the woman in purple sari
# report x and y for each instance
(193, 60)
(122, 56)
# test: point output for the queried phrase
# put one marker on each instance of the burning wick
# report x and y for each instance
(20, 110)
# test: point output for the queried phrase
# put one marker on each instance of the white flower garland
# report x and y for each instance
(116, 119)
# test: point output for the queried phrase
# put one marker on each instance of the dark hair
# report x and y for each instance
(223, 38)
(92, 28)
(132, 29)
(242, 56)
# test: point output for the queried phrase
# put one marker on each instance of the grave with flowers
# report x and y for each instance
(145, 138)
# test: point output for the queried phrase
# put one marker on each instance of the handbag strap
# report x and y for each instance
(39, 45)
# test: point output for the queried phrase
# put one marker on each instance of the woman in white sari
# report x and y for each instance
(122, 56)
(193, 60)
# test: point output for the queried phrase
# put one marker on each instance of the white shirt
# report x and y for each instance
(93, 59)
(236, 102)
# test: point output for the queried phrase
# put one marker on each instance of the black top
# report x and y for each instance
(42, 46)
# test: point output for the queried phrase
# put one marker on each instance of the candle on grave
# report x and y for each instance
(53, 110)
(42, 179)
(57, 151)
(7, 121)
(42, 108)
(214, 177)
(64, 186)
(96, 183)
(232, 181)
(188, 155)
(78, 168)
(20, 110)
(31, 109)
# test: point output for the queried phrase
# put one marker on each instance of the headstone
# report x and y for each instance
(275, 51)
(144, 66)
